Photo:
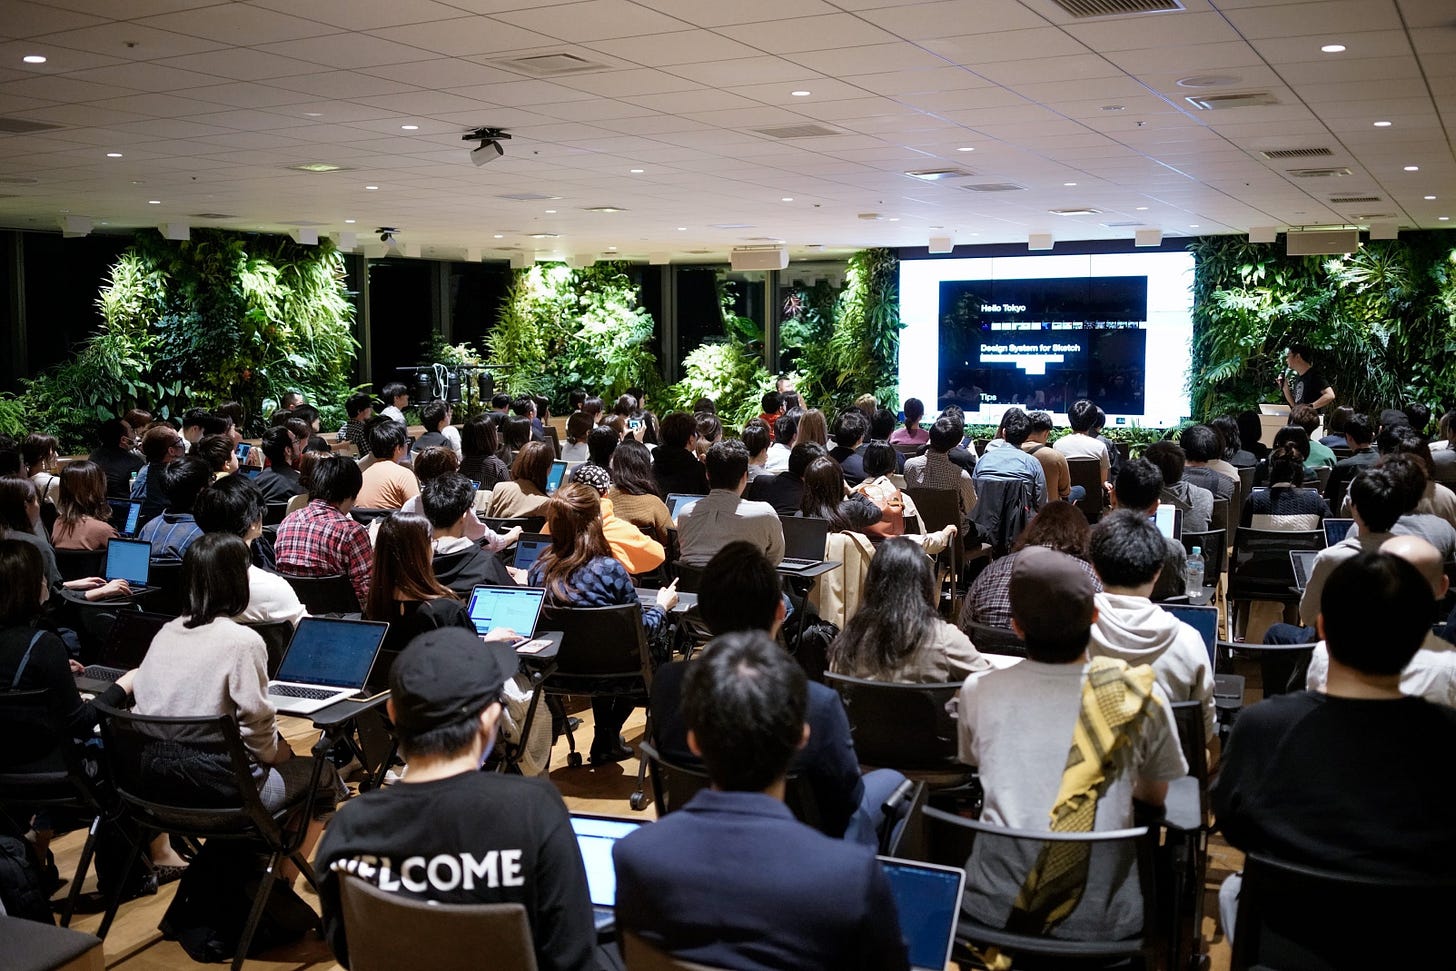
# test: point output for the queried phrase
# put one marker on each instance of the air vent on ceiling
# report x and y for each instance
(550, 65)
(1123, 224)
(528, 196)
(1218, 102)
(936, 175)
(797, 131)
(20, 126)
(1338, 171)
(1275, 154)
(18, 180)
(1117, 8)
(1347, 200)
(210, 215)
(1075, 212)
(994, 187)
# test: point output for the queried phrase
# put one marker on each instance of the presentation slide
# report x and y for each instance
(1039, 332)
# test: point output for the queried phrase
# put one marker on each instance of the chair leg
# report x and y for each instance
(113, 901)
(305, 868)
(638, 799)
(82, 868)
(255, 914)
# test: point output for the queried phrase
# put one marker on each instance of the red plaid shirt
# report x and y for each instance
(318, 540)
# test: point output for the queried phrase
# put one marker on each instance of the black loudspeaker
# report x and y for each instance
(452, 388)
(487, 387)
(424, 390)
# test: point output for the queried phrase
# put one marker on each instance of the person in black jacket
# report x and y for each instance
(279, 482)
(459, 563)
(674, 464)
(785, 491)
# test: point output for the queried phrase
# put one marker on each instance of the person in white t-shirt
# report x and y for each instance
(234, 505)
(1083, 441)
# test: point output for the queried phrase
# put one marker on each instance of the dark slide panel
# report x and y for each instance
(1043, 344)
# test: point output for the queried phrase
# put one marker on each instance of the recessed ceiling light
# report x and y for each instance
(545, 236)
(604, 209)
(113, 155)
(1412, 168)
(317, 167)
(1193, 225)
(500, 235)
(1443, 218)
(965, 148)
(893, 219)
(1142, 208)
(371, 188)
(636, 171)
(550, 212)
(1382, 124)
(682, 229)
(409, 127)
(350, 221)
(1333, 48)
(1113, 108)
(313, 114)
(787, 199)
(154, 202)
(801, 94)
(1429, 198)
(1069, 184)
(611, 249)
(34, 59)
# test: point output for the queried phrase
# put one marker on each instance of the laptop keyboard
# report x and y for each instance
(298, 691)
(98, 672)
(796, 561)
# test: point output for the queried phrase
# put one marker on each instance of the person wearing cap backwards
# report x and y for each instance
(1063, 744)
(453, 834)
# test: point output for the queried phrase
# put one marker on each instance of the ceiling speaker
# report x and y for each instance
(1039, 241)
(347, 241)
(522, 261)
(941, 244)
(1322, 242)
(768, 258)
(659, 259)
(1384, 230)
(304, 237)
(1148, 237)
(178, 231)
(582, 260)
(1263, 234)
(74, 226)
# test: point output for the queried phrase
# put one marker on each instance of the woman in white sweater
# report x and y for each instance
(204, 664)
(234, 505)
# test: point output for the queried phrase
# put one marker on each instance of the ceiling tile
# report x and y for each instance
(238, 23)
(136, 42)
(1153, 31)
(60, 88)
(1314, 19)
(347, 51)
(938, 80)
(442, 72)
(809, 34)
(364, 14)
(1005, 45)
(242, 64)
(1041, 70)
(144, 76)
(246, 95)
(342, 84)
(24, 19)
(592, 20)
(465, 36)
(921, 21)
(684, 102)
(618, 84)
(521, 93)
(765, 69)
(714, 13)
(678, 47)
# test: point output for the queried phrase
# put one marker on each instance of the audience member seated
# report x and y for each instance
(935, 470)
(772, 405)
(460, 563)
(83, 518)
(1410, 473)
(114, 454)
(524, 494)
(824, 498)
(175, 529)
(594, 408)
(20, 507)
(515, 434)
(882, 425)
(525, 407)
(279, 482)
(1058, 526)
(1082, 442)
(647, 431)
(1201, 449)
(1053, 463)
(707, 404)
(578, 426)
(634, 549)
(912, 433)
(813, 427)
(359, 407)
(601, 445)
(1005, 461)
(203, 664)
(878, 463)
(39, 454)
(387, 483)
(397, 399)
(1127, 552)
(404, 591)
(233, 505)
(1063, 743)
(785, 490)
(712, 882)
(1349, 778)
(436, 417)
(785, 429)
(1138, 485)
(1303, 416)
(724, 515)
(321, 538)
(512, 832)
(1335, 427)
(161, 446)
(580, 571)
(1235, 456)
(479, 462)
(710, 430)
(436, 461)
(1195, 501)
(849, 431)
(1285, 505)
(633, 493)
(219, 452)
(1437, 499)
(897, 634)
(1359, 436)
(675, 466)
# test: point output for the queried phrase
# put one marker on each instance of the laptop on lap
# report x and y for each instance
(327, 660)
(126, 646)
(595, 837)
(928, 901)
(126, 516)
(1302, 562)
(1336, 530)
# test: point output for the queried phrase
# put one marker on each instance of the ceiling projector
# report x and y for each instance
(490, 147)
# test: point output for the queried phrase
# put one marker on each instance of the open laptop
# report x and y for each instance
(518, 608)
(1169, 520)
(595, 837)
(1302, 561)
(679, 503)
(1274, 410)
(804, 538)
(327, 660)
(1202, 619)
(928, 901)
(251, 471)
(1336, 530)
(126, 516)
(126, 645)
(129, 560)
(528, 548)
(556, 476)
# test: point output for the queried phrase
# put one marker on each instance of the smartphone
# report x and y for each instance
(634, 423)
(243, 449)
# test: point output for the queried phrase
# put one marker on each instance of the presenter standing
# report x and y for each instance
(1309, 386)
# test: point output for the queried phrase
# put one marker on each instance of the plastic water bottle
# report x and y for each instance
(1193, 570)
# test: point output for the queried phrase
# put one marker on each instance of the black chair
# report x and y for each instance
(994, 640)
(1213, 547)
(167, 596)
(1188, 823)
(689, 578)
(528, 524)
(39, 769)
(216, 797)
(603, 654)
(79, 564)
(394, 930)
(276, 636)
(949, 840)
(364, 516)
(1219, 517)
(1246, 482)
(1260, 568)
(1296, 916)
(330, 594)
(673, 785)
(1322, 477)
(904, 727)
(937, 509)
(1283, 667)
(1087, 473)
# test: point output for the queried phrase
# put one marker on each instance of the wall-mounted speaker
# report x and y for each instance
(1322, 242)
(769, 258)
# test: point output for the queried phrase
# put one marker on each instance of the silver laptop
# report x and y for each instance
(1169, 520)
(928, 901)
(518, 608)
(129, 560)
(679, 503)
(804, 539)
(595, 837)
(1303, 563)
(327, 660)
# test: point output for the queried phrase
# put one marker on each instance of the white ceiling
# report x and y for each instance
(209, 103)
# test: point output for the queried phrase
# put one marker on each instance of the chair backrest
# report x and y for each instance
(900, 726)
(555, 437)
(274, 512)
(365, 516)
(1246, 481)
(1263, 554)
(528, 524)
(168, 596)
(1086, 471)
(689, 577)
(79, 564)
(674, 784)
(1322, 476)
(938, 508)
(641, 956)
(37, 758)
(329, 594)
(994, 640)
(387, 931)
(1003, 508)
(1213, 546)
(1296, 916)
(599, 642)
(1283, 667)
(1188, 719)
(1219, 518)
(275, 637)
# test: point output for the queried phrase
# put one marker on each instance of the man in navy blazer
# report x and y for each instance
(732, 880)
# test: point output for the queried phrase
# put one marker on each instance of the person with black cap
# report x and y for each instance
(450, 833)
(1061, 735)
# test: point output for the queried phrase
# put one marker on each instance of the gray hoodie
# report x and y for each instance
(1140, 632)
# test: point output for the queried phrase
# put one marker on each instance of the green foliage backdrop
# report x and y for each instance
(858, 350)
(221, 317)
(1382, 321)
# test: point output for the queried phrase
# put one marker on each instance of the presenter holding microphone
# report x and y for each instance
(1308, 386)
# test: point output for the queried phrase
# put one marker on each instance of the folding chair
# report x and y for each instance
(328, 594)
(387, 931)
(1087, 473)
(994, 640)
(1260, 568)
(904, 727)
(673, 785)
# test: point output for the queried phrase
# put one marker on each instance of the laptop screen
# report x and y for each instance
(514, 607)
(679, 503)
(1169, 520)
(331, 652)
(1336, 530)
(1202, 619)
(129, 560)
(555, 476)
(130, 638)
(528, 548)
(804, 537)
(595, 836)
(928, 900)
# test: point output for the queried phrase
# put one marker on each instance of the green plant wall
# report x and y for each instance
(220, 317)
(1382, 321)
(856, 351)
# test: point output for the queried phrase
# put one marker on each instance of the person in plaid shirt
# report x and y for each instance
(321, 538)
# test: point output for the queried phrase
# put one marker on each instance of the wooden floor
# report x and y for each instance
(135, 944)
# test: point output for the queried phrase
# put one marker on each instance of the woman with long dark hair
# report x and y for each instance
(897, 634)
(525, 494)
(634, 490)
(83, 517)
(824, 497)
(580, 571)
(403, 591)
(479, 443)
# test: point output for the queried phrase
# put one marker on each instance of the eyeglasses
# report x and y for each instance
(179, 443)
